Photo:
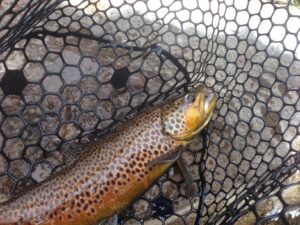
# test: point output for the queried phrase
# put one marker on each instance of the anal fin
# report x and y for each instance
(110, 221)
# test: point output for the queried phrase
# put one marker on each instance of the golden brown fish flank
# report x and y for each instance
(105, 179)
(101, 182)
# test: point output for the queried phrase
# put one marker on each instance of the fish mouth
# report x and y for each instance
(205, 101)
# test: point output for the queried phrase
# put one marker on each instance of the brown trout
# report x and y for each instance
(113, 171)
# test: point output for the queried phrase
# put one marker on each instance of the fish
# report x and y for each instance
(113, 171)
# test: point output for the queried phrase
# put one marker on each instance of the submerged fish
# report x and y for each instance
(112, 172)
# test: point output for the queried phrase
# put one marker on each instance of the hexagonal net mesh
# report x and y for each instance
(73, 68)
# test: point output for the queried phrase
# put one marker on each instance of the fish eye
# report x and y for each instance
(190, 97)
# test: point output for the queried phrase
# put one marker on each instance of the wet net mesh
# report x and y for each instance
(73, 69)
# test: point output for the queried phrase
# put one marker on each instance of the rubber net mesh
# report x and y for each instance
(72, 69)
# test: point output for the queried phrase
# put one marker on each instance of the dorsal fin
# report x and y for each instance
(4, 197)
(72, 151)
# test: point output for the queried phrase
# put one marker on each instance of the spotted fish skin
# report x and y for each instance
(106, 178)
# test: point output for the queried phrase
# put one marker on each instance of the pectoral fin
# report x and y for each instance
(172, 157)
(169, 157)
(186, 173)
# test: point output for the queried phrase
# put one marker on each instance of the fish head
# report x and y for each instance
(184, 118)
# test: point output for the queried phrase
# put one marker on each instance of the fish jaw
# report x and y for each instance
(197, 116)
(185, 118)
